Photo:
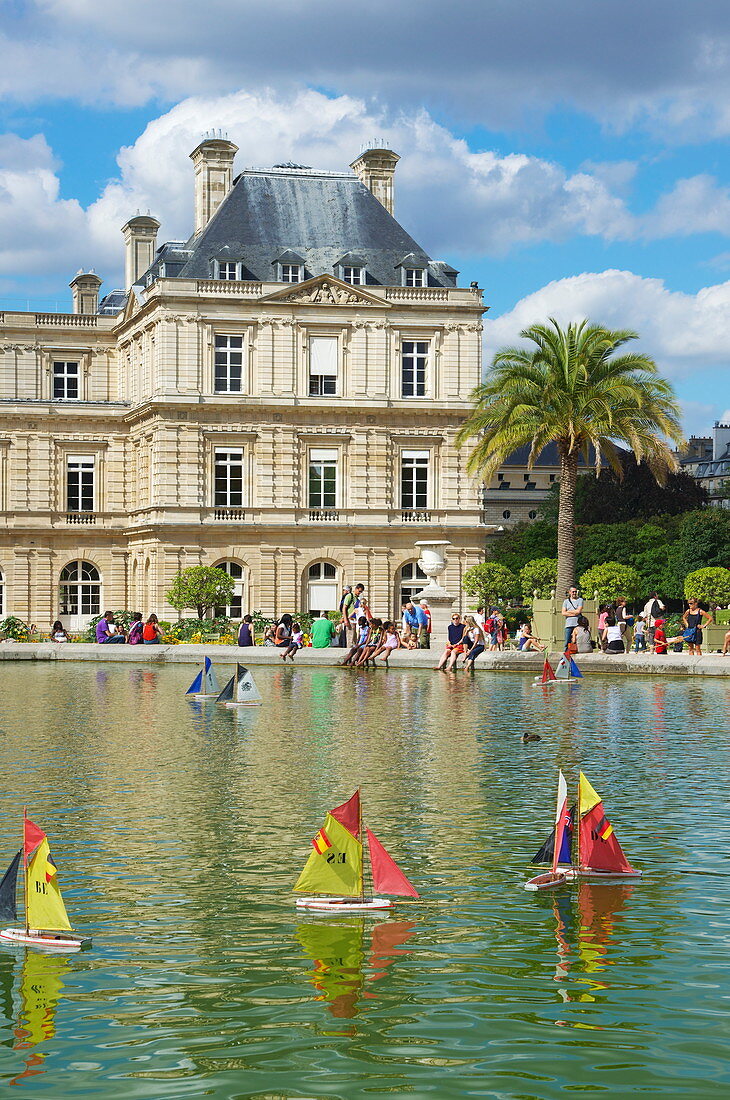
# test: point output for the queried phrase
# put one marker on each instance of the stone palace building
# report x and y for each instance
(277, 395)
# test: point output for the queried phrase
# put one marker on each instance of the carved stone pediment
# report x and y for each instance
(325, 290)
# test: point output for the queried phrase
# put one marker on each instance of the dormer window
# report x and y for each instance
(291, 273)
(414, 276)
(353, 275)
(229, 269)
(413, 270)
(289, 267)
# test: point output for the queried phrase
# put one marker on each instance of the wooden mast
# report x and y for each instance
(25, 874)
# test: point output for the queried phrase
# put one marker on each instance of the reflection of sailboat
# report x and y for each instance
(337, 866)
(241, 690)
(340, 956)
(205, 685)
(46, 921)
(41, 985)
(598, 853)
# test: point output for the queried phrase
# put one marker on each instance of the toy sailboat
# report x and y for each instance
(241, 690)
(564, 672)
(205, 685)
(336, 867)
(598, 853)
(46, 921)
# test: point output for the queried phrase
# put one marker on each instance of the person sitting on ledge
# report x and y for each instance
(151, 632)
(103, 633)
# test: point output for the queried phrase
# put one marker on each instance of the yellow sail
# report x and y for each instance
(335, 865)
(46, 910)
(587, 795)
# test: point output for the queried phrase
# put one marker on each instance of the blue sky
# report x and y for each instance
(571, 157)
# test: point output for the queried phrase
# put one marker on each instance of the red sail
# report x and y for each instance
(387, 875)
(33, 837)
(348, 814)
(547, 672)
(599, 847)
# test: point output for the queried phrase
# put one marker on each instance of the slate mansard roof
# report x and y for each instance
(319, 216)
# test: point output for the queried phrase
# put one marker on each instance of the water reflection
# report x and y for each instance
(586, 924)
(41, 985)
(349, 954)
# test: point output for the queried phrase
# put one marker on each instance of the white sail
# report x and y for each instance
(210, 680)
(562, 797)
(246, 690)
(562, 669)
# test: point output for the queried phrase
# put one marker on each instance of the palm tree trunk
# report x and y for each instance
(566, 518)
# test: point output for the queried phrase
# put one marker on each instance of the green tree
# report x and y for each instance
(539, 575)
(633, 494)
(201, 587)
(703, 539)
(711, 586)
(524, 542)
(490, 582)
(610, 580)
(572, 389)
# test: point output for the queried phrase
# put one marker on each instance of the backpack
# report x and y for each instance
(135, 633)
(656, 610)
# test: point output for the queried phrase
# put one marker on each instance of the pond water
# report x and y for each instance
(179, 829)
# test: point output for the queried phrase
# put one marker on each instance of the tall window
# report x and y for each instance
(2, 593)
(228, 364)
(80, 483)
(227, 269)
(323, 356)
(233, 610)
(322, 479)
(412, 581)
(414, 363)
(415, 276)
(65, 381)
(291, 273)
(228, 478)
(322, 591)
(414, 479)
(80, 589)
(353, 275)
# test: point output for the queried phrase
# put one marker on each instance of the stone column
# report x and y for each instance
(440, 602)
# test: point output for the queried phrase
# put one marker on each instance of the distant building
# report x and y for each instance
(707, 459)
(277, 395)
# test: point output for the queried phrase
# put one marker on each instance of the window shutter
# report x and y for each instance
(323, 356)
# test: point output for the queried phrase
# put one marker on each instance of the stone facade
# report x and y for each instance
(127, 454)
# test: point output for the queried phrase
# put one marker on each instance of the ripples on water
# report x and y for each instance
(180, 827)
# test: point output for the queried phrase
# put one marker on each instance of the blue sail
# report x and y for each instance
(545, 854)
(196, 685)
(574, 670)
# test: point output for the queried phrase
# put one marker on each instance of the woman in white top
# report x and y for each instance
(614, 635)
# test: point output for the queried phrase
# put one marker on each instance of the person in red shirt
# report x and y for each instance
(660, 638)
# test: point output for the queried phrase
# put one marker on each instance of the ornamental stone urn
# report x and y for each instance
(432, 561)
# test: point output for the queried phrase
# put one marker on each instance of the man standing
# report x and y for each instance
(572, 608)
(653, 610)
(347, 604)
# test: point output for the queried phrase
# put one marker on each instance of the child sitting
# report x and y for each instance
(296, 642)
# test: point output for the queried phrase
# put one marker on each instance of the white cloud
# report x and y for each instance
(485, 203)
(687, 334)
(497, 63)
(694, 205)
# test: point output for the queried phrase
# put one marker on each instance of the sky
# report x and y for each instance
(571, 156)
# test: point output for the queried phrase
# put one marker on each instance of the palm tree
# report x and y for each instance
(571, 388)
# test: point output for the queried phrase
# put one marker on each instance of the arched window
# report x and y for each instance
(532, 514)
(234, 610)
(412, 580)
(80, 592)
(322, 591)
(506, 514)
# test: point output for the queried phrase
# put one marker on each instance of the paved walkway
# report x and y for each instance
(672, 664)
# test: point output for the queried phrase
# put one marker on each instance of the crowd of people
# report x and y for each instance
(368, 639)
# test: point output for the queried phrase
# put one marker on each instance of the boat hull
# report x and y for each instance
(49, 941)
(591, 873)
(548, 881)
(205, 695)
(344, 905)
(242, 704)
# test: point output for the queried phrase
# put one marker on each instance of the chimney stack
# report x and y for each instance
(213, 161)
(375, 167)
(140, 244)
(85, 289)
